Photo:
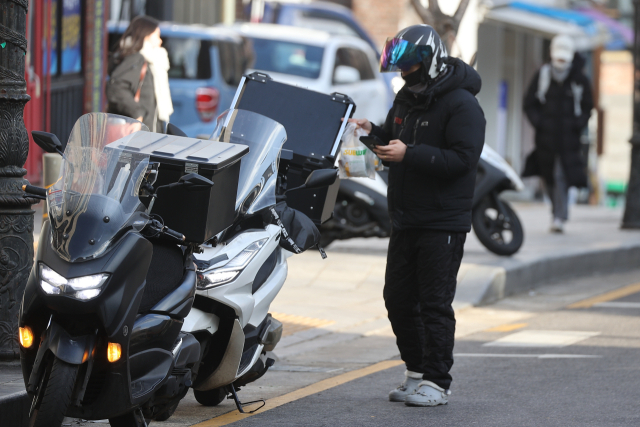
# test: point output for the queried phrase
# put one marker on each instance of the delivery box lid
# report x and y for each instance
(212, 155)
(313, 120)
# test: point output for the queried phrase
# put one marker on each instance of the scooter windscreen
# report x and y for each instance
(259, 168)
(95, 198)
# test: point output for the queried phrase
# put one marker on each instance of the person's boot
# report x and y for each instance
(428, 394)
(410, 384)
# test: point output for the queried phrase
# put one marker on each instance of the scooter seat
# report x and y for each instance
(164, 275)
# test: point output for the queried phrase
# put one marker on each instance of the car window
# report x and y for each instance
(318, 21)
(292, 58)
(232, 62)
(189, 58)
(357, 59)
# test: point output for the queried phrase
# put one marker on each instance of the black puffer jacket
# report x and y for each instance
(122, 86)
(558, 127)
(443, 127)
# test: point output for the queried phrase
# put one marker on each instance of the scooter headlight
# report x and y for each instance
(228, 272)
(83, 288)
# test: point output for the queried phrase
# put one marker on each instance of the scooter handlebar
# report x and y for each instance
(173, 233)
(36, 191)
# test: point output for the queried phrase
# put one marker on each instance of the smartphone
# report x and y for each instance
(371, 141)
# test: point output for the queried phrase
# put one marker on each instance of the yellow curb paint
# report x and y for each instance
(507, 328)
(232, 417)
(293, 324)
(609, 296)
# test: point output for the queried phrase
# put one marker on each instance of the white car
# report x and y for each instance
(322, 62)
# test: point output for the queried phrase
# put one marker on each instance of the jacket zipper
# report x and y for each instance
(415, 132)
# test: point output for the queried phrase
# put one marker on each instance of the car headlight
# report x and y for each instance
(228, 272)
(83, 288)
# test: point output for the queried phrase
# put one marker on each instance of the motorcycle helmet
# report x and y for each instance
(414, 44)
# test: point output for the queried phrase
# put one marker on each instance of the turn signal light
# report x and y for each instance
(26, 336)
(114, 351)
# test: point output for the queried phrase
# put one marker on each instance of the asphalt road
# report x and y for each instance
(564, 364)
(564, 355)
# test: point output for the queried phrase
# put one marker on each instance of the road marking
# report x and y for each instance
(293, 324)
(609, 296)
(536, 356)
(535, 338)
(618, 304)
(232, 417)
(507, 328)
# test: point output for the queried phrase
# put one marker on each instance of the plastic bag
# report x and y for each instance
(355, 159)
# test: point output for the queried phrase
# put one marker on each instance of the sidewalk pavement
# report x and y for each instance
(593, 243)
(333, 309)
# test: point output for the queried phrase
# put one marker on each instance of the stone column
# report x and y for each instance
(16, 216)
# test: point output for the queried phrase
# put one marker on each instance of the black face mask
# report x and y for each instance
(414, 78)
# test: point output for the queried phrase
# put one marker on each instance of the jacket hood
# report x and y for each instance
(459, 75)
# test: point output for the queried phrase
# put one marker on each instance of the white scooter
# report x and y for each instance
(361, 207)
(243, 269)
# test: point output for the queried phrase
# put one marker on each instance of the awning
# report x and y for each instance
(621, 35)
(548, 22)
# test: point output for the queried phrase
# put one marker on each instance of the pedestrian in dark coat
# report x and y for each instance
(435, 134)
(138, 86)
(558, 104)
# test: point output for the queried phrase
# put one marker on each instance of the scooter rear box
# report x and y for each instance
(314, 126)
(198, 214)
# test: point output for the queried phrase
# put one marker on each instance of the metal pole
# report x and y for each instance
(16, 216)
(631, 217)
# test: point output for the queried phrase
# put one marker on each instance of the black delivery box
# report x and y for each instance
(198, 214)
(314, 126)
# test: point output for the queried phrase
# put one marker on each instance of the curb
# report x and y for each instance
(482, 285)
(14, 410)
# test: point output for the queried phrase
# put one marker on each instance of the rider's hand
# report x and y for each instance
(361, 123)
(394, 152)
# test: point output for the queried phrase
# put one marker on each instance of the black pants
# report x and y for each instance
(420, 284)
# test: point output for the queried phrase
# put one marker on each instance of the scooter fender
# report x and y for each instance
(73, 350)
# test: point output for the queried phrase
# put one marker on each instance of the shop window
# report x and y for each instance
(65, 45)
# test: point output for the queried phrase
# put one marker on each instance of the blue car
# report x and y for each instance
(207, 64)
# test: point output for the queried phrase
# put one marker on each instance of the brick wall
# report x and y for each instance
(381, 18)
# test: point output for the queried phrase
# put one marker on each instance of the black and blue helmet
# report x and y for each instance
(414, 44)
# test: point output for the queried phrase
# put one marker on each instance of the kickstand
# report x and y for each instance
(231, 389)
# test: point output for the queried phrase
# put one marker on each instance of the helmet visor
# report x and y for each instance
(400, 55)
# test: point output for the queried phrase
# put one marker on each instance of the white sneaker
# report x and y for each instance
(428, 394)
(557, 226)
(410, 384)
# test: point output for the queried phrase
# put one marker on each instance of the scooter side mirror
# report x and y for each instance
(175, 130)
(194, 179)
(321, 178)
(47, 141)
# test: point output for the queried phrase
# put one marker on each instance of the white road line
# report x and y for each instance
(619, 304)
(540, 338)
(531, 356)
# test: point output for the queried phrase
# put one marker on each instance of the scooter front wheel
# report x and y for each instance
(210, 397)
(54, 395)
(498, 227)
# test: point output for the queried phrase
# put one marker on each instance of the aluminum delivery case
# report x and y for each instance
(198, 214)
(314, 132)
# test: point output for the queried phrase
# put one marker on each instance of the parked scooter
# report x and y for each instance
(243, 269)
(102, 312)
(361, 207)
